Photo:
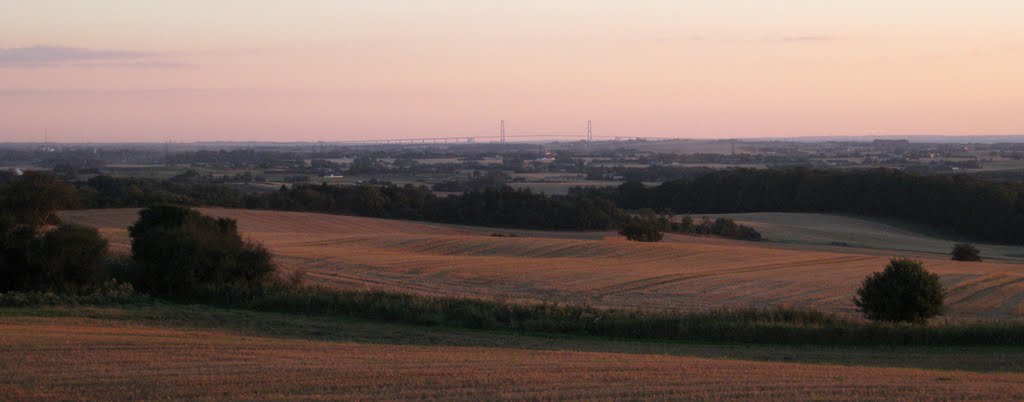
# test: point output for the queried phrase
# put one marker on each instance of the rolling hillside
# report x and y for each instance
(683, 272)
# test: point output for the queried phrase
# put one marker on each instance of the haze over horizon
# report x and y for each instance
(261, 70)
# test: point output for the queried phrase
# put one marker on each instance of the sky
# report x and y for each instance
(334, 70)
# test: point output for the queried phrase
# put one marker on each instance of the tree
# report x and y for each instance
(178, 250)
(903, 292)
(966, 252)
(35, 258)
(34, 198)
(641, 231)
(633, 195)
(72, 256)
(66, 258)
(364, 164)
(17, 258)
(493, 179)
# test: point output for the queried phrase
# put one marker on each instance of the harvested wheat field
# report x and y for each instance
(683, 272)
(117, 355)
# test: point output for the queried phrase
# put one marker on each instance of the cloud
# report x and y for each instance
(752, 40)
(125, 92)
(57, 56)
(141, 65)
(806, 38)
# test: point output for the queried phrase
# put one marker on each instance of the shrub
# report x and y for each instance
(726, 227)
(177, 250)
(110, 292)
(65, 258)
(72, 256)
(17, 258)
(903, 292)
(641, 231)
(966, 252)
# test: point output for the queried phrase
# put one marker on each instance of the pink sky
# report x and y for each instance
(149, 70)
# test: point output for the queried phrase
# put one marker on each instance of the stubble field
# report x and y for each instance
(191, 353)
(683, 272)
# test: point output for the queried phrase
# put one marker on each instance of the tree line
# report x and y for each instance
(961, 204)
(500, 206)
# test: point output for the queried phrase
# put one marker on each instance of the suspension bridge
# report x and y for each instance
(502, 137)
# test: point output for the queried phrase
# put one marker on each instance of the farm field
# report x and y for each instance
(186, 352)
(830, 230)
(599, 268)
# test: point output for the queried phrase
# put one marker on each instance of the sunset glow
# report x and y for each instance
(129, 70)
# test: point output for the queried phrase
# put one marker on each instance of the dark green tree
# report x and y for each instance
(966, 252)
(641, 231)
(71, 256)
(632, 195)
(177, 250)
(903, 292)
(18, 268)
(66, 258)
(34, 198)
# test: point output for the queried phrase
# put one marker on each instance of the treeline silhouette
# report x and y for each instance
(502, 206)
(129, 192)
(965, 205)
(962, 204)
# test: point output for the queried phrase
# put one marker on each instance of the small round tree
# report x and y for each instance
(640, 231)
(966, 252)
(903, 292)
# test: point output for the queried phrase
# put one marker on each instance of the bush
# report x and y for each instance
(726, 227)
(17, 258)
(72, 256)
(641, 231)
(35, 258)
(966, 252)
(110, 292)
(177, 250)
(903, 292)
(65, 258)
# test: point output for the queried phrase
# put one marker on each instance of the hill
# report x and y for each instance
(687, 273)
